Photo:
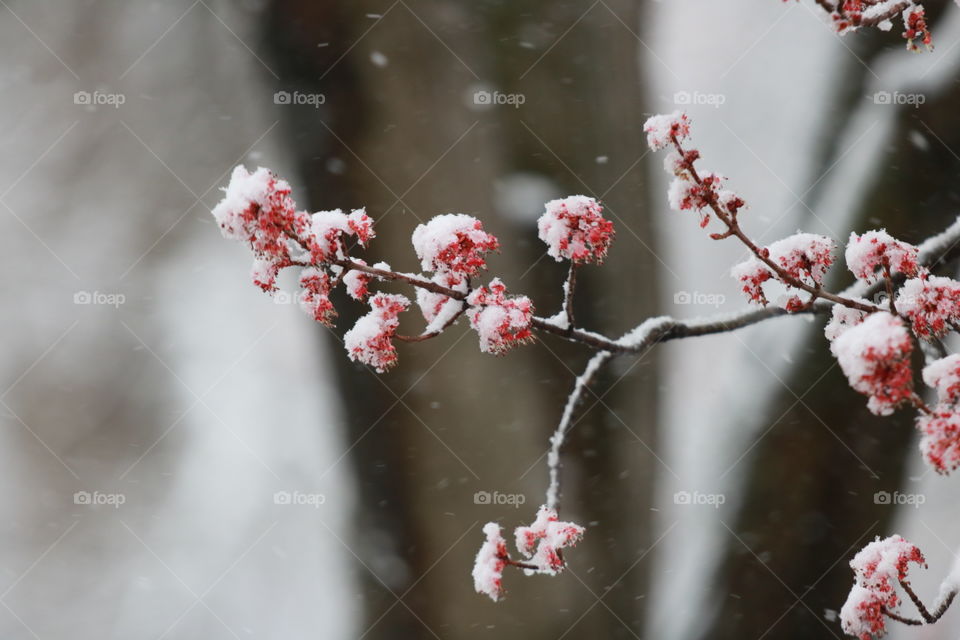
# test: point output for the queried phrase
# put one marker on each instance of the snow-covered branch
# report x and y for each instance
(872, 339)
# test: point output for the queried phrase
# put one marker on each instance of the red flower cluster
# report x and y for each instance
(876, 252)
(315, 298)
(662, 130)
(540, 544)
(573, 228)
(877, 570)
(940, 429)
(501, 322)
(915, 25)
(453, 243)
(931, 303)
(875, 356)
(542, 541)
(803, 256)
(370, 341)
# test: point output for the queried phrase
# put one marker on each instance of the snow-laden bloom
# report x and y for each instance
(330, 230)
(944, 376)
(490, 562)
(257, 209)
(438, 309)
(660, 129)
(877, 569)
(876, 251)
(453, 242)
(875, 357)
(357, 283)
(804, 256)
(542, 541)
(882, 564)
(315, 295)
(501, 322)
(862, 614)
(574, 228)
(370, 340)
(931, 303)
(264, 273)
(842, 318)
(685, 194)
(915, 28)
(752, 273)
(940, 438)
(940, 429)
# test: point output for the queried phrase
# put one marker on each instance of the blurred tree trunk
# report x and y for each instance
(402, 135)
(808, 501)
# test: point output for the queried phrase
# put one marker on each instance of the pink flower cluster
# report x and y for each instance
(370, 341)
(453, 243)
(540, 544)
(876, 253)
(931, 303)
(574, 229)
(878, 568)
(805, 257)
(501, 322)
(689, 190)
(875, 357)
(850, 15)
(940, 429)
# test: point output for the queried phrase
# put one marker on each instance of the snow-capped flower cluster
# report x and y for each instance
(540, 544)
(357, 282)
(842, 318)
(662, 129)
(862, 614)
(931, 303)
(501, 322)
(542, 541)
(874, 253)
(850, 15)
(315, 297)
(370, 341)
(805, 257)
(878, 568)
(453, 243)
(574, 228)
(330, 230)
(438, 309)
(689, 190)
(940, 429)
(875, 357)
(915, 28)
(752, 273)
(490, 563)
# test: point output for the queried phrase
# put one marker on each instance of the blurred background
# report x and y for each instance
(185, 458)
